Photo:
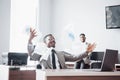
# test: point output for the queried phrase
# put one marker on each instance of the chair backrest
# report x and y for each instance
(97, 55)
(17, 58)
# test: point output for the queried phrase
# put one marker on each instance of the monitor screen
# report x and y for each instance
(15, 58)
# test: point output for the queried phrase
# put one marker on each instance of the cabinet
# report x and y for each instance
(22, 75)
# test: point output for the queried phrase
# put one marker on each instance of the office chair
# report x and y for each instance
(96, 59)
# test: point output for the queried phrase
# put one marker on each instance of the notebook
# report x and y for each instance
(110, 58)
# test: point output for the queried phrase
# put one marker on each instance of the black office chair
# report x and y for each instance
(17, 58)
(39, 66)
(96, 59)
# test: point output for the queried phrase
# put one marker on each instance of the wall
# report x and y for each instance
(76, 15)
(4, 25)
(83, 16)
(44, 17)
(44, 22)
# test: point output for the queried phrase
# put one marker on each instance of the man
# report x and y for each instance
(85, 62)
(46, 60)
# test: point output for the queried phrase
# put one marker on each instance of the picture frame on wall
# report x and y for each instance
(112, 17)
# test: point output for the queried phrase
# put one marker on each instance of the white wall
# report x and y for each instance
(79, 15)
(44, 22)
(4, 25)
(44, 16)
(84, 16)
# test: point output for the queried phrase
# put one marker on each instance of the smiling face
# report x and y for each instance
(50, 41)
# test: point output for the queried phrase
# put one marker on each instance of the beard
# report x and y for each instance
(51, 44)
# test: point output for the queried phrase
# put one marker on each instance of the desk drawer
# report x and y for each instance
(22, 75)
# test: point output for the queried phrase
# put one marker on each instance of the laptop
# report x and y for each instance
(110, 58)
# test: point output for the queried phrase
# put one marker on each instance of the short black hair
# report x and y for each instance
(82, 34)
(44, 39)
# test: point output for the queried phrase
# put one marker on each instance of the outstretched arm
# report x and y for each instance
(30, 45)
(69, 57)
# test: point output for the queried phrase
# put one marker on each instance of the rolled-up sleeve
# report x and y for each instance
(30, 48)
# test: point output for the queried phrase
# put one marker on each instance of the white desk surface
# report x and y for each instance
(4, 72)
(75, 72)
(26, 67)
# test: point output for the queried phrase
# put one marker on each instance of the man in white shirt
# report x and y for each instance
(85, 62)
(61, 57)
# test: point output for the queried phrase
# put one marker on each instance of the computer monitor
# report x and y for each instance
(18, 59)
(109, 60)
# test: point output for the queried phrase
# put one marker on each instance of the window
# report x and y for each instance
(24, 14)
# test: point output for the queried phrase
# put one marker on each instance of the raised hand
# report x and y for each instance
(91, 47)
(32, 34)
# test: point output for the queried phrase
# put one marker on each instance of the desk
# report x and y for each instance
(75, 74)
(17, 72)
(64, 74)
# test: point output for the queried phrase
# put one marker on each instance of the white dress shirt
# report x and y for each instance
(80, 48)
